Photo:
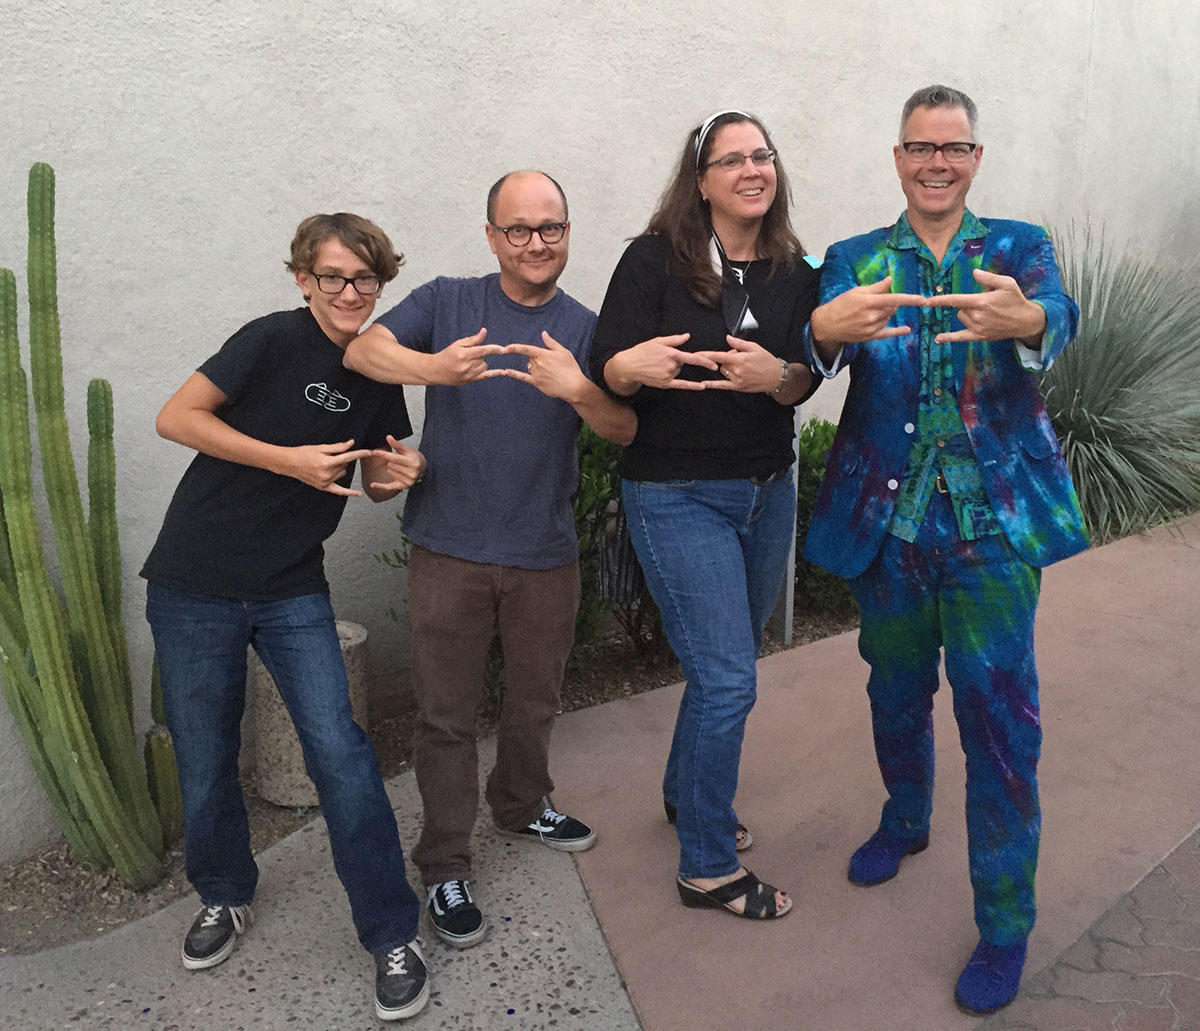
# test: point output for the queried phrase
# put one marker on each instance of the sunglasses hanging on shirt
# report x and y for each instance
(735, 301)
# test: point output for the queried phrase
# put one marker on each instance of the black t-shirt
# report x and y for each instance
(234, 531)
(710, 434)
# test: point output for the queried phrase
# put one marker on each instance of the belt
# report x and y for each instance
(939, 483)
(762, 481)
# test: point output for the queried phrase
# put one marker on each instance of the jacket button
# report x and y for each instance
(909, 427)
(893, 484)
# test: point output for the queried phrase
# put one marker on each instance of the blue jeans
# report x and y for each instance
(201, 643)
(715, 557)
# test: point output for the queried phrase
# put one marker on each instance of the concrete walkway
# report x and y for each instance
(603, 943)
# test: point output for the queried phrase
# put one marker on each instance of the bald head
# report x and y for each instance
(519, 180)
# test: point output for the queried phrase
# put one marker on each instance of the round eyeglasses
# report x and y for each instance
(732, 162)
(328, 283)
(922, 150)
(519, 236)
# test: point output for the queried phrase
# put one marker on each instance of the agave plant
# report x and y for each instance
(1125, 397)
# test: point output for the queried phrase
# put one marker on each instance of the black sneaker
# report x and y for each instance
(558, 831)
(213, 934)
(455, 917)
(401, 982)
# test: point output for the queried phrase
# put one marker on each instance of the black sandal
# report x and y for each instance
(759, 896)
(744, 838)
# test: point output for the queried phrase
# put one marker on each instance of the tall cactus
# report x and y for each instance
(71, 700)
(102, 523)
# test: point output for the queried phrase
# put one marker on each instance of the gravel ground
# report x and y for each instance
(51, 899)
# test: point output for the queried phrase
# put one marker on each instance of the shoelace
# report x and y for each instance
(396, 959)
(240, 915)
(456, 893)
(551, 817)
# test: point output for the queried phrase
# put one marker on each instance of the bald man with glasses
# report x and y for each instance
(492, 528)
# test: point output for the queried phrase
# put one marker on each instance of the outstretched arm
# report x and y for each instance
(189, 418)
(378, 355)
(554, 371)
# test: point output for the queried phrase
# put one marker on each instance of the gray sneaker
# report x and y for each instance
(213, 934)
(558, 831)
(401, 982)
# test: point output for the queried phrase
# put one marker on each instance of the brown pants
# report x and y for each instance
(454, 609)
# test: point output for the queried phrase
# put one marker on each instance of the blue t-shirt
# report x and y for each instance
(502, 461)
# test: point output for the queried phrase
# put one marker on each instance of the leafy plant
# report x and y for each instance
(593, 506)
(1125, 397)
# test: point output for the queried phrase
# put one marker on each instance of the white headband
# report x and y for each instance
(706, 128)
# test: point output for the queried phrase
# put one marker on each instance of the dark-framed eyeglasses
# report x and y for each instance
(367, 286)
(519, 236)
(732, 162)
(923, 150)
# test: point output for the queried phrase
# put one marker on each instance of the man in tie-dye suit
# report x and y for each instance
(944, 495)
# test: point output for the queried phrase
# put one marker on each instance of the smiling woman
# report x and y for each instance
(701, 329)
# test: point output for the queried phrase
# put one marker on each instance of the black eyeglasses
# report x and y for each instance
(732, 162)
(922, 150)
(328, 283)
(519, 236)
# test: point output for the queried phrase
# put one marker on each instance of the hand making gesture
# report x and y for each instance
(465, 360)
(394, 470)
(322, 465)
(552, 369)
(654, 363)
(1000, 312)
(747, 366)
(861, 313)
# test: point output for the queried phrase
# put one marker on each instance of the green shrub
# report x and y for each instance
(594, 503)
(1125, 397)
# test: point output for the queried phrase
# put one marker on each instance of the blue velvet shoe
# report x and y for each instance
(991, 978)
(878, 858)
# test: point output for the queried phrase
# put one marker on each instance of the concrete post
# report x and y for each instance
(279, 762)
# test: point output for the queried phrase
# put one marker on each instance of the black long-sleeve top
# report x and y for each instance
(709, 434)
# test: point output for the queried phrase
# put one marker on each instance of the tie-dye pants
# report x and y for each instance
(976, 600)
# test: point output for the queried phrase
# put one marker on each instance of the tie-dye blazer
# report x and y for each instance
(1023, 469)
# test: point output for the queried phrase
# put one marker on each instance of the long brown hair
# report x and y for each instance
(683, 217)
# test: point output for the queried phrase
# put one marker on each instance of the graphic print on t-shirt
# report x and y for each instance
(320, 394)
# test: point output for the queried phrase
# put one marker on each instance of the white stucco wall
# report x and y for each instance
(189, 139)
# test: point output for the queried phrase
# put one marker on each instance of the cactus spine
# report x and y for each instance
(72, 701)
